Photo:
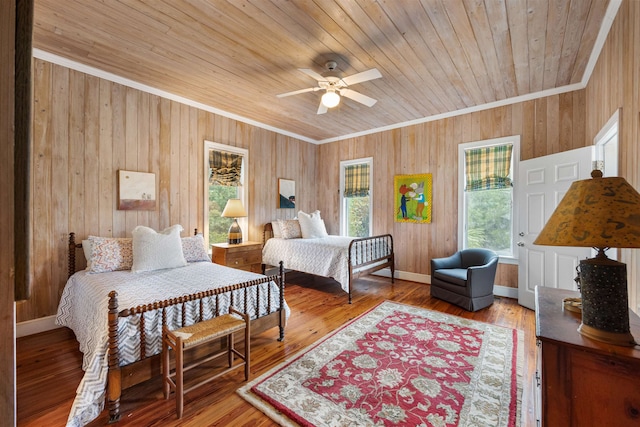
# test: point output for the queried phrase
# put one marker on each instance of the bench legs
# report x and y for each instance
(175, 380)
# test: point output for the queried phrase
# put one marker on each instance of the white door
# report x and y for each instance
(542, 183)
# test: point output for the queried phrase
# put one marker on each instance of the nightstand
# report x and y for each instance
(243, 256)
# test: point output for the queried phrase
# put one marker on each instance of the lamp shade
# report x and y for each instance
(330, 99)
(598, 213)
(234, 209)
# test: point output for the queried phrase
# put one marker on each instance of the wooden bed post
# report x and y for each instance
(72, 254)
(114, 385)
(282, 312)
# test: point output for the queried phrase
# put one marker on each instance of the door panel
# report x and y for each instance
(542, 183)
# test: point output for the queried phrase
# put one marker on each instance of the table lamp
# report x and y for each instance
(235, 210)
(601, 213)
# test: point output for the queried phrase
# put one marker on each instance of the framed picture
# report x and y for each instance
(286, 193)
(412, 197)
(136, 190)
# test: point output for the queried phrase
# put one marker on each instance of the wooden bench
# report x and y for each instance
(197, 334)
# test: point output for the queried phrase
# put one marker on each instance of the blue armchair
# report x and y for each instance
(465, 278)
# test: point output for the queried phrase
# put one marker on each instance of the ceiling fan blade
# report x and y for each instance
(357, 96)
(362, 77)
(322, 108)
(313, 74)
(295, 92)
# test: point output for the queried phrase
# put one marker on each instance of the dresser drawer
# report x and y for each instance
(239, 259)
(243, 256)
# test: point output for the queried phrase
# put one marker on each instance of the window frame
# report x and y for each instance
(243, 190)
(343, 201)
(462, 207)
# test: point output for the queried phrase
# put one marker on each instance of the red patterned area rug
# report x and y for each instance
(399, 365)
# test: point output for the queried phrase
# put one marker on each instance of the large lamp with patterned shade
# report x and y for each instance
(601, 213)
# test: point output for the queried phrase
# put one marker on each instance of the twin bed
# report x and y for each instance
(341, 258)
(121, 346)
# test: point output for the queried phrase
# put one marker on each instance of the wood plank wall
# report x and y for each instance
(7, 319)
(87, 128)
(547, 126)
(615, 85)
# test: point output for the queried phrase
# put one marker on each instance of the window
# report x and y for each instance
(356, 201)
(486, 195)
(225, 178)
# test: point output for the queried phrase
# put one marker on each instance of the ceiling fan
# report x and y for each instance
(335, 86)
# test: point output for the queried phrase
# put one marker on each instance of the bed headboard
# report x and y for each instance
(267, 232)
(73, 246)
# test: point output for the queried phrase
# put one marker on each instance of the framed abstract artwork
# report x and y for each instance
(286, 193)
(136, 190)
(412, 198)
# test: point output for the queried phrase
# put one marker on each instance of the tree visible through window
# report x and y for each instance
(488, 197)
(356, 197)
(225, 177)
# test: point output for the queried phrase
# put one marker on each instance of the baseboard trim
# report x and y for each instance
(404, 275)
(501, 291)
(30, 327)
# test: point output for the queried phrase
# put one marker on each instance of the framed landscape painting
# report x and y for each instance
(136, 190)
(412, 198)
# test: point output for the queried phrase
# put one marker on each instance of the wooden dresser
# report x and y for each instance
(244, 256)
(581, 382)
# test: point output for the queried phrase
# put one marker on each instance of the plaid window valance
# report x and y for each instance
(488, 168)
(356, 180)
(225, 168)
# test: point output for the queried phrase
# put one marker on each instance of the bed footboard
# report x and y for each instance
(369, 254)
(264, 317)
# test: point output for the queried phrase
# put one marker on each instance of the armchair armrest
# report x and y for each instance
(480, 278)
(453, 261)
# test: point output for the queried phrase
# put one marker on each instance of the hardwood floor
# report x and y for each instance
(49, 364)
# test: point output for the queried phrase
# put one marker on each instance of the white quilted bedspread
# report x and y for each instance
(325, 256)
(83, 308)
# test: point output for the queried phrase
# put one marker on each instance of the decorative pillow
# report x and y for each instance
(86, 248)
(311, 225)
(275, 226)
(194, 250)
(156, 251)
(110, 254)
(290, 228)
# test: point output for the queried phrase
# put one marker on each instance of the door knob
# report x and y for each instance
(521, 234)
(520, 243)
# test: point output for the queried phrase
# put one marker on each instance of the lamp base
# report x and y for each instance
(605, 308)
(624, 339)
(235, 233)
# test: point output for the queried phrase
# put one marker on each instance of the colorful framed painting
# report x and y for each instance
(412, 196)
(137, 190)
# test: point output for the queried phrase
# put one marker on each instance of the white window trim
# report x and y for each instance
(515, 154)
(244, 194)
(343, 165)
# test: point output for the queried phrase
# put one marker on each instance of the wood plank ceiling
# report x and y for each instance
(435, 56)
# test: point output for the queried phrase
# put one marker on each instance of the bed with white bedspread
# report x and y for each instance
(119, 343)
(341, 258)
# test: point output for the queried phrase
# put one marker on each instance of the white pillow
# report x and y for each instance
(156, 251)
(86, 248)
(311, 225)
(275, 226)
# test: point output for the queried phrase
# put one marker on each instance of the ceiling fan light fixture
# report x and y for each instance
(330, 99)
